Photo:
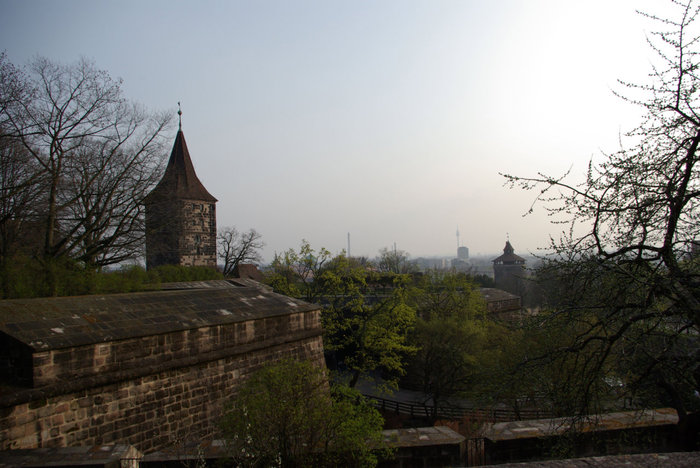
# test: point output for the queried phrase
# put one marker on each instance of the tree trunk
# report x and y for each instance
(354, 379)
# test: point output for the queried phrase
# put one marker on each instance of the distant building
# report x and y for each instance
(458, 264)
(502, 305)
(248, 271)
(462, 253)
(431, 263)
(180, 215)
(509, 270)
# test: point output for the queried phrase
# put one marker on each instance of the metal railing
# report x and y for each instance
(455, 413)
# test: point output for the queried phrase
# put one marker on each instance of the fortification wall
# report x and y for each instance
(57, 365)
(176, 392)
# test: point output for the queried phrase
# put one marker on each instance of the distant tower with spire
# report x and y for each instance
(509, 270)
(180, 214)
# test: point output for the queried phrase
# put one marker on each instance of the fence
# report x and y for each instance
(456, 413)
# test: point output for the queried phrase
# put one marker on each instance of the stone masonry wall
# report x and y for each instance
(181, 232)
(163, 231)
(153, 406)
(198, 238)
(62, 364)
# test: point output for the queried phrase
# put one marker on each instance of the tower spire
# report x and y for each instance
(179, 116)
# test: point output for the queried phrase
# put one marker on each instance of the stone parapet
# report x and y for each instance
(160, 408)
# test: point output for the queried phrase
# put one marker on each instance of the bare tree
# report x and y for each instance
(14, 93)
(98, 155)
(626, 285)
(20, 178)
(20, 198)
(238, 247)
(395, 261)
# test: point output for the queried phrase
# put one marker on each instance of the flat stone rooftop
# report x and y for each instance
(603, 422)
(643, 460)
(62, 322)
(422, 436)
(101, 455)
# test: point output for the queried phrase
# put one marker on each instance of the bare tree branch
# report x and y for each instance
(235, 248)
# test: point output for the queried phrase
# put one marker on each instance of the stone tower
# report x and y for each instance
(180, 215)
(509, 270)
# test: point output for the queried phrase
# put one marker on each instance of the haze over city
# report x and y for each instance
(387, 120)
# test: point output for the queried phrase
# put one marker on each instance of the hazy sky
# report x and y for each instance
(389, 120)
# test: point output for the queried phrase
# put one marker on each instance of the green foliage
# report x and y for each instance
(24, 277)
(450, 335)
(564, 381)
(498, 380)
(293, 273)
(448, 358)
(447, 295)
(367, 330)
(484, 281)
(365, 315)
(175, 273)
(285, 415)
(607, 339)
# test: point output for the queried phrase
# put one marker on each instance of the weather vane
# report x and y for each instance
(179, 115)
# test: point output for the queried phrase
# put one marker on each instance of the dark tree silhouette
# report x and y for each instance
(238, 247)
(96, 154)
(623, 278)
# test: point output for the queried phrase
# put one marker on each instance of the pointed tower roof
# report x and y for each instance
(180, 180)
(509, 256)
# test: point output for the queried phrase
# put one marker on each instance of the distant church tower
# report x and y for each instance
(509, 270)
(180, 215)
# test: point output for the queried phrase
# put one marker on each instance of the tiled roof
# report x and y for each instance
(493, 294)
(509, 255)
(180, 180)
(60, 322)
(247, 271)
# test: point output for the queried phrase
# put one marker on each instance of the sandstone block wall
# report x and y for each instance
(175, 390)
(181, 232)
(61, 364)
(198, 239)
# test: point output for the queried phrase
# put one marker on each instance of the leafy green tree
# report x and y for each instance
(365, 316)
(294, 272)
(450, 336)
(286, 415)
(444, 295)
(620, 278)
(448, 359)
(365, 328)
(499, 381)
